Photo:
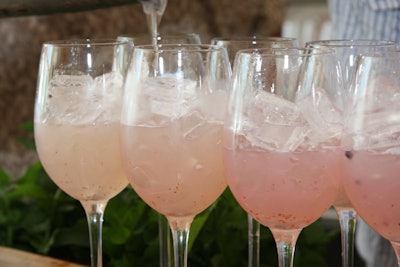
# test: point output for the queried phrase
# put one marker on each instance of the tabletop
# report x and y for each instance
(10, 257)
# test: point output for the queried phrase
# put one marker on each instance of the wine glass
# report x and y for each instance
(233, 45)
(282, 139)
(371, 141)
(169, 38)
(347, 53)
(171, 126)
(77, 113)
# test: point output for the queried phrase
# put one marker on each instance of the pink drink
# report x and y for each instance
(373, 186)
(177, 176)
(83, 160)
(284, 190)
(342, 201)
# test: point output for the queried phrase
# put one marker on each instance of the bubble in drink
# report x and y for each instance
(70, 81)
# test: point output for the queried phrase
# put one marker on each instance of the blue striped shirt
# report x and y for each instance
(365, 19)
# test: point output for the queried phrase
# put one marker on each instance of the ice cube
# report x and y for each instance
(170, 96)
(380, 94)
(161, 88)
(270, 108)
(167, 109)
(70, 81)
(282, 138)
(195, 125)
(379, 139)
(274, 123)
(392, 151)
(213, 105)
(109, 85)
(80, 99)
(63, 95)
(322, 116)
(377, 115)
(107, 96)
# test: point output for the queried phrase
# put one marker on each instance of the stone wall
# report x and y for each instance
(22, 38)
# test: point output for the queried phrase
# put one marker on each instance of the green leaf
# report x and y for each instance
(27, 126)
(5, 179)
(25, 191)
(28, 142)
(198, 224)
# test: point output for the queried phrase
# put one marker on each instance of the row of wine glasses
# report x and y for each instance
(371, 140)
(63, 95)
(270, 128)
(324, 107)
(347, 53)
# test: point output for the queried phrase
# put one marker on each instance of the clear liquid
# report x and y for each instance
(153, 18)
(154, 10)
(152, 21)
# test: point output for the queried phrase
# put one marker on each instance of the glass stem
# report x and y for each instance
(254, 242)
(164, 235)
(286, 245)
(347, 221)
(180, 235)
(396, 247)
(94, 214)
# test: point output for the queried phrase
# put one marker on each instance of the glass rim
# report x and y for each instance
(285, 51)
(389, 54)
(351, 43)
(252, 38)
(86, 42)
(159, 35)
(159, 48)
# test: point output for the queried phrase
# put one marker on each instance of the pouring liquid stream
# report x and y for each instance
(154, 10)
(153, 26)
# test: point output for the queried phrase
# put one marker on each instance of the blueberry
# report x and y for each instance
(348, 154)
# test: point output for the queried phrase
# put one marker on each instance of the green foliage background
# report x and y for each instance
(36, 216)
